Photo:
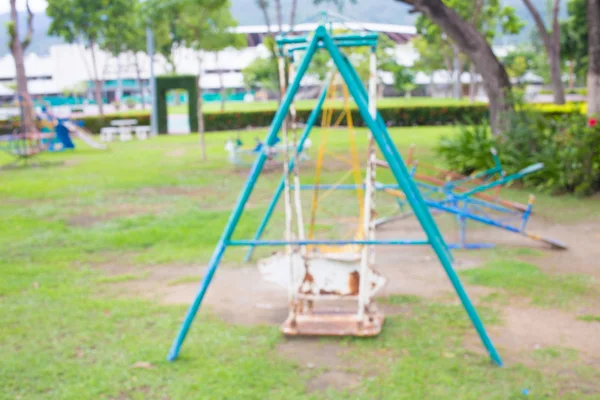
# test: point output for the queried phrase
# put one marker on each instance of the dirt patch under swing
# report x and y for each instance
(239, 295)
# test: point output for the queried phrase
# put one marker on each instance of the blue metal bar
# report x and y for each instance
(312, 118)
(474, 217)
(412, 193)
(492, 206)
(394, 242)
(527, 213)
(350, 186)
(506, 179)
(480, 175)
(280, 115)
(355, 43)
(354, 36)
(362, 92)
(282, 40)
(471, 246)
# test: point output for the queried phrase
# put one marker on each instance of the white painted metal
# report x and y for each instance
(318, 276)
(286, 193)
(297, 191)
(367, 254)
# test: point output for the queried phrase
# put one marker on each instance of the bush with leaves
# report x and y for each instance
(568, 147)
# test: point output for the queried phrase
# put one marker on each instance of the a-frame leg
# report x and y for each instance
(281, 114)
(412, 193)
(312, 118)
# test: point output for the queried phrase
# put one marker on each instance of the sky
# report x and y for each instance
(36, 5)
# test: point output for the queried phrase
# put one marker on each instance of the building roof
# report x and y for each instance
(398, 33)
(309, 27)
(35, 66)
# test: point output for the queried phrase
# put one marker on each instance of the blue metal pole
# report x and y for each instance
(393, 242)
(349, 186)
(312, 118)
(411, 191)
(527, 213)
(281, 114)
(526, 171)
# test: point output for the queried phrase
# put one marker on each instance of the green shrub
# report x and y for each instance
(470, 150)
(581, 91)
(95, 122)
(394, 116)
(568, 147)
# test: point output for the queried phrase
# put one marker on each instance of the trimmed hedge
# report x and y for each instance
(394, 116)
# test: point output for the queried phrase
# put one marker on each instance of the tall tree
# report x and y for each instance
(472, 70)
(518, 62)
(262, 74)
(404, 80)
(17, 48)
(164, 19)
(279, 15)
(430, 58)
(85, 21)
(205, 25)
(474, 44)
(574, 37)
(551, 39)
(293, 13)
(134, 42)
(264, 7)
(115, 39)
(593, 15)
(487, 16)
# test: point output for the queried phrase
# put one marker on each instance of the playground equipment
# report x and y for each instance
(55, 135)
(465, 198)
(23, 146)
(76, 129)
(124, 129)
(242, 156)
(320, 270)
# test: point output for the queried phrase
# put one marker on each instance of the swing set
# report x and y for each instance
(318, 271)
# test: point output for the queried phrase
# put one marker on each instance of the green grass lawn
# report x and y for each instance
(144, 204)
(309, 104)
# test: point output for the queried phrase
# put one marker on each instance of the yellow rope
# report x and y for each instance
(353, 161)
(325, 122)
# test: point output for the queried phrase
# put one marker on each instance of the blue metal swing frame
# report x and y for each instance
(322, 39)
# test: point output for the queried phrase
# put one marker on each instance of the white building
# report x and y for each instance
(69, 65)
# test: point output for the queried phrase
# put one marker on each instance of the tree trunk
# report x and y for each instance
(201, 111)
(475, 45)
(473, 83)
(450, 68)
(221, 84)
(140, 84)
(97, 83)
(119, 90)
(262, 4)
(293, 13)
(593, 78)
(16, 48)
(278, 15)
(552, 45)
(472, 69)
(572, 76)
(457, 72)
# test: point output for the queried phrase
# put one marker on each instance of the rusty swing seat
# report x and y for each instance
(333, 277)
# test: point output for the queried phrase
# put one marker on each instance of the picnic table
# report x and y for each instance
(125, 129)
